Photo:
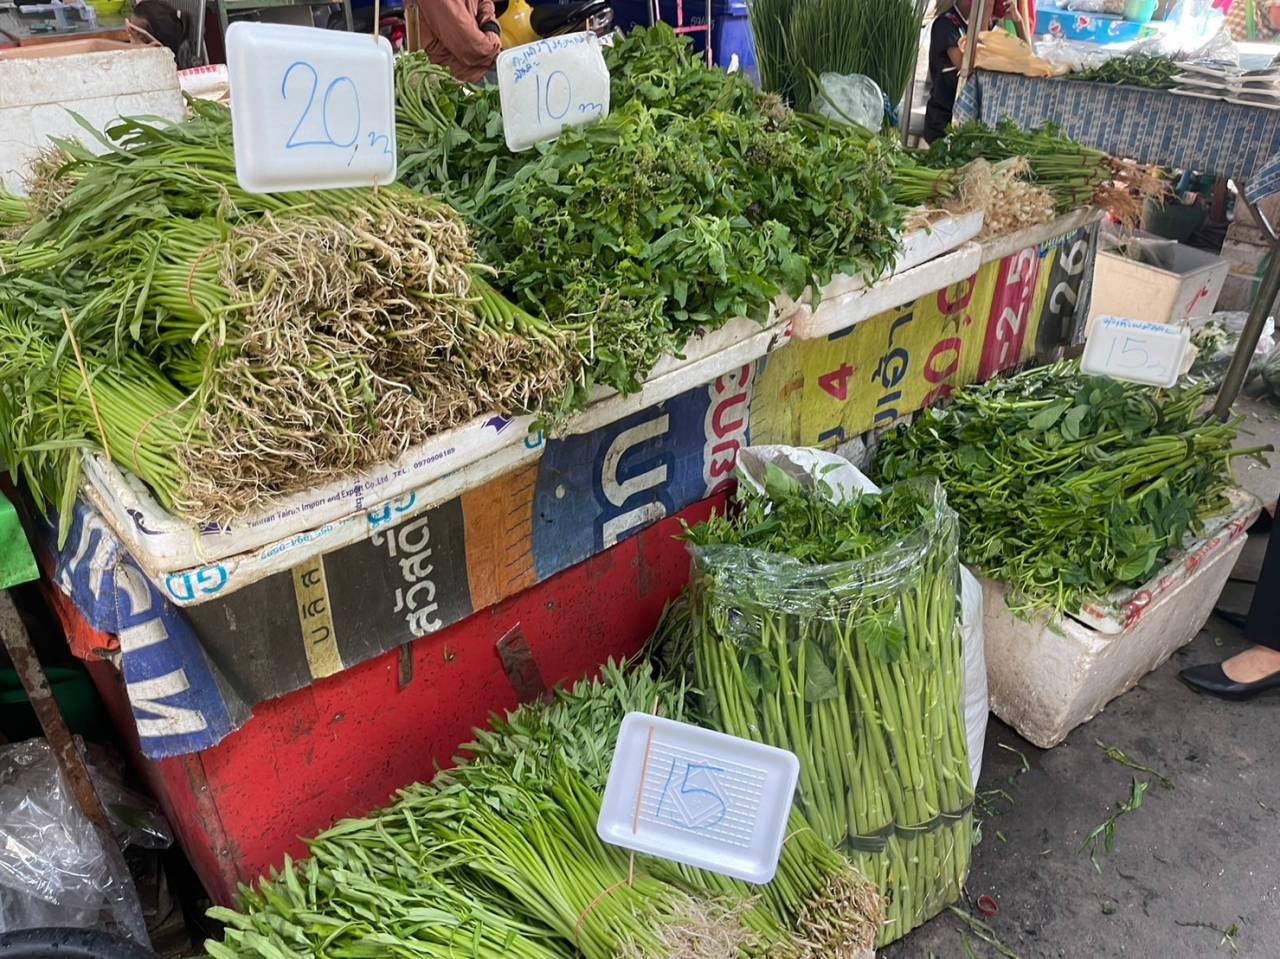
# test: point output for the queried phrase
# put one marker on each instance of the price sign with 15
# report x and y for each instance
(310, 109)
(1133, 350)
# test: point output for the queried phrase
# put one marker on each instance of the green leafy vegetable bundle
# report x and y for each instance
(1138, 70)
(498, 857)
(237, 347)
(1069, 486)
(695, 201)
(798, 40)
(1072, 173)
(831, 630)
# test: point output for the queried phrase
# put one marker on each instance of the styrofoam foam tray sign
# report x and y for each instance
(1137, 351)
(549, 85)
(311, 109)
(698, 797)
(165, 543)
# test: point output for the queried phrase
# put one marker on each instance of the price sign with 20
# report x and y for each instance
(310, 109)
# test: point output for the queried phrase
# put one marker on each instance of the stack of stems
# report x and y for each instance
(859, 674)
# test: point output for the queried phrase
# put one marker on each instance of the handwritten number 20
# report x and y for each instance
(310, 72)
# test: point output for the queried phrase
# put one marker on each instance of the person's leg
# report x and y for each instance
(1257, 668)
(1262, 628)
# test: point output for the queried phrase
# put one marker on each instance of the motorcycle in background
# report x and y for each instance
(522, 22)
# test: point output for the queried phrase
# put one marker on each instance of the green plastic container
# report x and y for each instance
(1140, 11)
(74, 693)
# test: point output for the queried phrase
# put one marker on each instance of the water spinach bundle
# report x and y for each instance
(831, 630)
(1069, 486)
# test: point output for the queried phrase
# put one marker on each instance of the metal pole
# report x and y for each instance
(978, 14)
(904, 117)
(1239, 367)
(65, 748)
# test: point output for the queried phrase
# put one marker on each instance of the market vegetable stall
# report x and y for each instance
(1159, 127)
(484, 561)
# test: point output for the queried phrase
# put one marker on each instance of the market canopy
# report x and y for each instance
(1153, 126)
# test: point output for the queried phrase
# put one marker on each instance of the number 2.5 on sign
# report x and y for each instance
(310, 109)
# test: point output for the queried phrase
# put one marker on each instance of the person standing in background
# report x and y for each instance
(462, 36)
(1257, 669)
(950, 24)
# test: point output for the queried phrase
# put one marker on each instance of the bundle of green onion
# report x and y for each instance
(831, 630)
(267, 342)
(499, 857)
(1074, 174)
(1069, 486)
(798, 40)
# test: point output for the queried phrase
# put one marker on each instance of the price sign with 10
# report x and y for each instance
(310, 109)
(551, 84)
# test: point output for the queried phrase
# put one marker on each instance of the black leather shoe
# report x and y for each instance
(1212, 680)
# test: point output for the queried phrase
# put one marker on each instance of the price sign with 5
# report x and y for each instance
(310, 109)
(1150, 353)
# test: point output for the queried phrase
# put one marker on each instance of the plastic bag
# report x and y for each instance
(859, 668)
(55, 867)
(845, 479)
(1214, 341)
(851, 98)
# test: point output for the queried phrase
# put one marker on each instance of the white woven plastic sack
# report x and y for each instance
(845, 480)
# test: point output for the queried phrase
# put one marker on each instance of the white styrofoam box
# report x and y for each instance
(165, 543)
(997, 248)
(1126, 606)
(221, 577)
(177, 554)
(838, 312)
(699, 797)
(38, 96)
(739, 342)
(1187, 285)
(918, 246)
(1048, 677)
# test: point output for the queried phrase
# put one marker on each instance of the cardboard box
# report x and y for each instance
(1183, 282)
(39, 95)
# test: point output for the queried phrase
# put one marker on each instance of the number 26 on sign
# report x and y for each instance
(310, 109)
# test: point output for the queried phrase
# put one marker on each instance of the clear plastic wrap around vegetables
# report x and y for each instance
(831, 630)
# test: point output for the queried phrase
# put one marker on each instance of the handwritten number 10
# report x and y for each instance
(544, 94)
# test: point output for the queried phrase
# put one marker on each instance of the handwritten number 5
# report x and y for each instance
(699, 819)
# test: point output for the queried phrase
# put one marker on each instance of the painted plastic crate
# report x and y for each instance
(341, 746)
(202, 648)
(1046, 678)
